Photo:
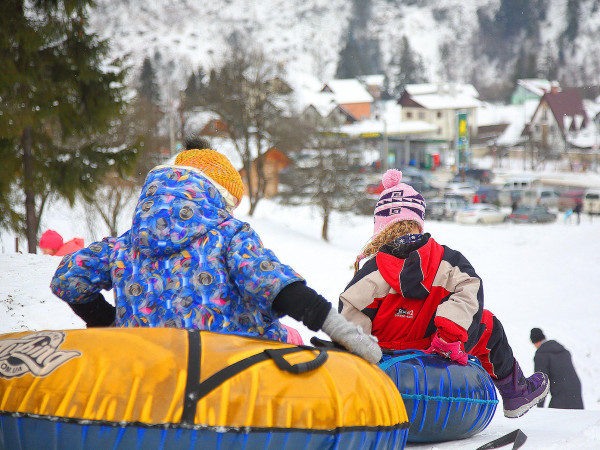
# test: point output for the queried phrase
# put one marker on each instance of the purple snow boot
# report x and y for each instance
(520, 394)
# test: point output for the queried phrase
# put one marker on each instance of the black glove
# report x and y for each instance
(95, 313)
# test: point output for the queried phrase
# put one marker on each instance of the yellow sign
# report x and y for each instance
(462, 126)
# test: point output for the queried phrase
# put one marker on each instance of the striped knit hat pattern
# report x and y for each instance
(398, 202)
(216, 166)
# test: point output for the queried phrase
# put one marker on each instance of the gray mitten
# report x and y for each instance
(351, 337)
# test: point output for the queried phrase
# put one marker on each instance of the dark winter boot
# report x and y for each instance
(520, 394)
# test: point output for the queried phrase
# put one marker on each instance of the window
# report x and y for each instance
(421, 115)
(439, 114)
(408, 115)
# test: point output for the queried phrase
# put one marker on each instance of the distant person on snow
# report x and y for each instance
(187, 262)
(555, 361)
(413, 293)
(51, 243)
(577, 211)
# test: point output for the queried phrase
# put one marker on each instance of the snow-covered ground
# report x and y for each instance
(534, 276)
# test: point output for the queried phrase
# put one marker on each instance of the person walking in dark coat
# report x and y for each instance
(555, 361)
(577, 211)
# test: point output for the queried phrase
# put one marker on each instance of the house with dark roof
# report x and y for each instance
(557, 123)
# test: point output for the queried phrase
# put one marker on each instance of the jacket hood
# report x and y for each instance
(394, 260)
(176, 207)
(551, 347)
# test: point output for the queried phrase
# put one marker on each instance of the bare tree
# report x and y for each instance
(326, 176)
(248, 94)
(112, 201)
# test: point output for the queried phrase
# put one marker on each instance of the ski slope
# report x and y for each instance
(534, 276)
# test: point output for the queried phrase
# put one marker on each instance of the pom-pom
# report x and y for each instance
(391, 178)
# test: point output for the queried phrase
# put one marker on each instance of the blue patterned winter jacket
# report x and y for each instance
(185, 263)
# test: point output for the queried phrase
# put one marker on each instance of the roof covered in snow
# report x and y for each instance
(348, 90)
(372, 80)
(516, 116)
(538, 86)
(364, 128)
(441, 96)
(442, 89)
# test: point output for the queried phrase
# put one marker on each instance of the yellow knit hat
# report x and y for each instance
(216, 166)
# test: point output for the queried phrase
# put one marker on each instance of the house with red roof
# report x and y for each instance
(351, 96)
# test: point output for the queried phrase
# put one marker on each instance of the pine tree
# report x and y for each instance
(194, 89)
(57, 107)
(361, 54)
(327, 179)
(411, 67)
(148, 85)
(572, 29)
(525, 66)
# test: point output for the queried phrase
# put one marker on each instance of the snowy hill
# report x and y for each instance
(534, 276)
(458, 41)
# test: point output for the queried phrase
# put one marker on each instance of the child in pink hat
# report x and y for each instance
(51, 243)
(413, 293)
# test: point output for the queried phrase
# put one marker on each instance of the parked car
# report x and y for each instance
(472, 181)
(426, 189)
(567, 199)
(591, 201)
(480, 213)
(445, 208)
(483, 176)
(414, 172)
(374, 188)
(466, 190)
(488, 194)
(532, 214)
(540, 196)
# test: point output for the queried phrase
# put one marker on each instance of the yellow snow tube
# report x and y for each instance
(193, 380)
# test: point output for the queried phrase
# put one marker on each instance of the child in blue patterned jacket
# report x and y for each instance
(187, 262)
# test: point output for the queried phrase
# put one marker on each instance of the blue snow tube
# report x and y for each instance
(444, 400)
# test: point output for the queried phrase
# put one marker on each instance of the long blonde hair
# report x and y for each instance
(386, 236)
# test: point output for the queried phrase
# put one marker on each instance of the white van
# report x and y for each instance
(543, 196)
(591, 201)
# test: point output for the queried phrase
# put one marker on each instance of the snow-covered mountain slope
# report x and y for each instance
(181, 35)
(307, 35)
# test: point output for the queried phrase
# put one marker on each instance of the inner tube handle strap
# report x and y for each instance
(277, 356)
